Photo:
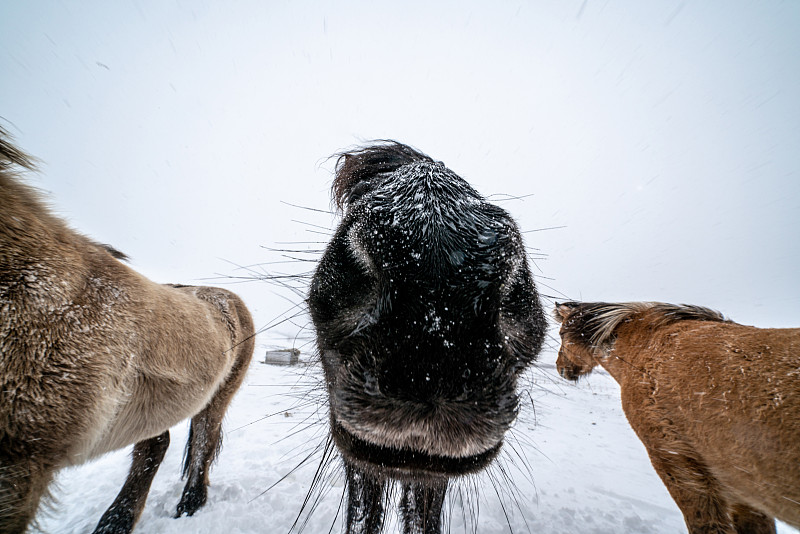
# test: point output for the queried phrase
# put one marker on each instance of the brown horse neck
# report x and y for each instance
(626, 358)
(36, 247)
(25, 220)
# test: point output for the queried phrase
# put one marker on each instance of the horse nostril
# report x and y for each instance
(371, 385)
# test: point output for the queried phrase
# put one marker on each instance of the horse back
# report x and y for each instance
(724, 394)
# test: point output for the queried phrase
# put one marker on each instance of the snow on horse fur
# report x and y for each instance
(94, 357)
(715, 403)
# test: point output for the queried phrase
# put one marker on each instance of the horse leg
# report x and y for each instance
(421, 507)
(123, 513)
(694, 490)
(364, 501)
(750, 521)
(22, 485)
(205, 436)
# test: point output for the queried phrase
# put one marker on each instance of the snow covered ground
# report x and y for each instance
(659, 138)
(587, 471)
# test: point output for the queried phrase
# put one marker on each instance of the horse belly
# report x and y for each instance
(766, 477)
(749, 443)
(155, 405)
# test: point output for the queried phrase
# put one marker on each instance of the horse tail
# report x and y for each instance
(190, 456)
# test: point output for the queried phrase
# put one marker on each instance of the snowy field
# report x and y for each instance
(657, 141)
(586, 470)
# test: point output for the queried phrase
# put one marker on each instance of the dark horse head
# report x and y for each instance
(426, 314)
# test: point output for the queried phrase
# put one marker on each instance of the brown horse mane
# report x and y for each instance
(596, 322)
(13, 190)
(12, 162)
(113, 251)
(11, 156)
(356, 169)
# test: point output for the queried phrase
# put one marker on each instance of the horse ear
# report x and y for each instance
(562, 310)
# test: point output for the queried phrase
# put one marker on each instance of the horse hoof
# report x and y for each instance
(115, 522)
(191, 501)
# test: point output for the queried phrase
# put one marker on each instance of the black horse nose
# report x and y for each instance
(429, 375)
(408, 379)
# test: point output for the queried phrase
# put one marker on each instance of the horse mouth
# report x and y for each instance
(405, 463)
(569, 373)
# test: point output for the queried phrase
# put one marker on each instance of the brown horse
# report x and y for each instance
(715, 403)
(94, 357)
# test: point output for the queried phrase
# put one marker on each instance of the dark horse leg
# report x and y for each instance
(364, 501)
(23, 482)
(421, 507)
(123, 513)
(205, 437)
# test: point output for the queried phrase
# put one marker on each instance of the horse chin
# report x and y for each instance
(569, 372)
(406, 464)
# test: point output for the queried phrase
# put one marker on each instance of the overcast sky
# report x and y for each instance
(661, 138)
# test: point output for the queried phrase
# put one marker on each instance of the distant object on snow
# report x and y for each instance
(282, 357)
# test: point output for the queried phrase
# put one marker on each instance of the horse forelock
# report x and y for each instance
(357, 170)
(596, 322)
(424, 187)
(425, 219)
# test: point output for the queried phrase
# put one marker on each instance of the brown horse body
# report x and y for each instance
(716, 404)
(94, 357)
